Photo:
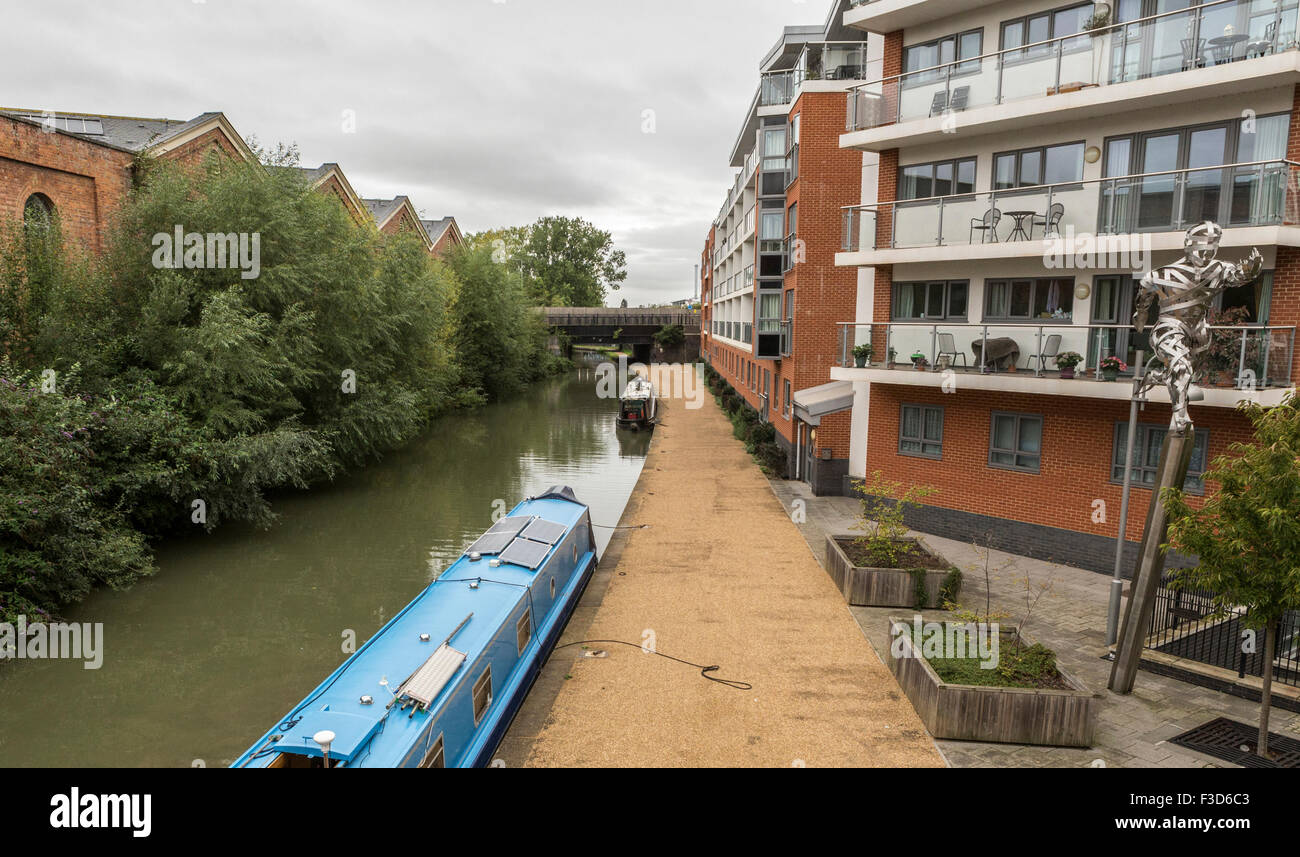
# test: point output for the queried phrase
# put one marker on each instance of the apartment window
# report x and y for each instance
(789, 401)
(941, 178)
(930, 300)
(1146, 456)
(920, 431)
(482, 694)
(435, 758)
(1046, 300)
(524, 629)
(793, 219)
(1060, 164)
(923, 58)
(1042, 26)
(1016, 442)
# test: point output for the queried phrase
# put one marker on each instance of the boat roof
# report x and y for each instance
(639, 388)
(464, 608)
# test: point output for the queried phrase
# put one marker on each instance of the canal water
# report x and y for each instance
(237, 626)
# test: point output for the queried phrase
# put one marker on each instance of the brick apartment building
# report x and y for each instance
(1005, 129)
(81, 165)
(772, 293)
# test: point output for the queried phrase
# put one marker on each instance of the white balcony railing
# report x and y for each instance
(1214, 33)
(817, 61)
(1247, 357)
(1260, 193)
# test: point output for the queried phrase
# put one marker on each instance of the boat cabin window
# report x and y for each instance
(434, 758)
(524, 630)
(552, 587)
(482, 695)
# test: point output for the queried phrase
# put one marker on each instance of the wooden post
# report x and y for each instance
(1175, 458)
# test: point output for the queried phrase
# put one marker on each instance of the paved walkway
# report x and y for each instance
(720, 576)
(1132, 731)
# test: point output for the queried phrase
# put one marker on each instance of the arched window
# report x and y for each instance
(38, 210)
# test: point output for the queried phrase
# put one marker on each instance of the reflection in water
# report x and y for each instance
(238, 626)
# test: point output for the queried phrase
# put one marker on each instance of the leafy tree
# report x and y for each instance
(500, 339)
(1247, 536)
(570, 262)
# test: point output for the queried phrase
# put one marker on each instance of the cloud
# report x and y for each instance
(495, 112)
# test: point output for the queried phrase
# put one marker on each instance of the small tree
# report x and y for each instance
(1247, 536)
(884, 505)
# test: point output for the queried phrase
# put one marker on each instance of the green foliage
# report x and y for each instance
(565, 261)
(884, 506)
(172, 385)
(500, 339)
(1247, 535)
(670, 336)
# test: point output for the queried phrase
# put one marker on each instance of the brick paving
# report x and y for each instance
(1070, 618)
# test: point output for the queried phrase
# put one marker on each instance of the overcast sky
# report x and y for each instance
(495, 112)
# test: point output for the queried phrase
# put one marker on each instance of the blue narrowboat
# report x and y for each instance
(439, 684)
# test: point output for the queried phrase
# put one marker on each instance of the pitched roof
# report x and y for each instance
(382, 210)
(439, 228)
(132, 133)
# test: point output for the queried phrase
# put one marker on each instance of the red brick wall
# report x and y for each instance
(1078, 440)
(86, 182)
(194, 152)
(333, 187)
(1284, 309)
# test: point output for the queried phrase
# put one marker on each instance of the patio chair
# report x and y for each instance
(940, 102)
(986, 225)
(948, 348)
(1051, 348)
(1263, 46)
(960, 99)
(1193, 53)
(1051, 221)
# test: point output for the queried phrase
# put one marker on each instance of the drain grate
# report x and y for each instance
(1235, 742)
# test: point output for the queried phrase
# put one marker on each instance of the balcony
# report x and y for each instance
(1257, 203)
(886, 16)
(1251, 362)
(834, 62)
(1224, 47)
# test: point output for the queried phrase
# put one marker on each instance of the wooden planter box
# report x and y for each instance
(881, 587)
(1005, 715)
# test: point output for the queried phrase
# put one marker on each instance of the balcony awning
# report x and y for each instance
(813, 403)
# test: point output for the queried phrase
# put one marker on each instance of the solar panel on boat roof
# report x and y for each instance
(427, 682)
(525, 553)
(544, 531)
(490, 543)
(511, 525)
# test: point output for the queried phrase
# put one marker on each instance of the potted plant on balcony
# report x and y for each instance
(1111, 367)
(1066, 363)
(919, 361)
(862, 355)
(893, 353)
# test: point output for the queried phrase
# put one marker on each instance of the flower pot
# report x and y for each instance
(1110, 374)
(1067, 373)
(860, 362)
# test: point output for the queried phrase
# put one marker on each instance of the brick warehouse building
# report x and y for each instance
(80, 166)
(772, 293)
(1005, 130)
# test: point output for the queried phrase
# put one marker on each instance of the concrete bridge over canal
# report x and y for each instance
(632, 327)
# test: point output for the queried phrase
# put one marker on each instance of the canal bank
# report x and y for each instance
(708, 568)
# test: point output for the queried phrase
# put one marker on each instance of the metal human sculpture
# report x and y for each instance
(1184, 292)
